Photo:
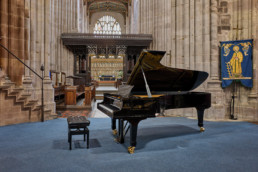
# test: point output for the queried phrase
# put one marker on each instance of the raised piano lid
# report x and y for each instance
(161, 78)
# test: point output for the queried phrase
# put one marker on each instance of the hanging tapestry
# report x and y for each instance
(236, 62)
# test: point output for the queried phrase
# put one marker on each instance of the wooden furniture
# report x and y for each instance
(89, 95)
(70, 95)
(78, 125)
(107, 83)
(60, 77)
(59, 92)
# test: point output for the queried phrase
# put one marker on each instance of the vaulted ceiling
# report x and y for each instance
(119, 6)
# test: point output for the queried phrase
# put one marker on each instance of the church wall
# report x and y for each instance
(190, 32)
(31, 30)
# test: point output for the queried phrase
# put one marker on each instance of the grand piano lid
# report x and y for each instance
(161, 78)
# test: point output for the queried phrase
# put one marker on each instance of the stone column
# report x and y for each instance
(186, 35)
(179, 34)
(47, 37)
(192, 34)
(48, 88)
(173, 34)
(245, 18)
(218, 108)
(27, 37)
(59, 42)
(16, 40)
(168, 26)
(27, 80)
(214, 51)
(206, 36)
(239, 21)
(253, 96)
(198, 35)
(4, 35)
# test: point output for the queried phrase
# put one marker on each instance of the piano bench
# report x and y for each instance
(78, 125)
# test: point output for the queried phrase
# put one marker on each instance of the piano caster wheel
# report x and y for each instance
(114, 132)
(131, 149)
(202, 129)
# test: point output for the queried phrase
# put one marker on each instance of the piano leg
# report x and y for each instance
(133, 134)
(200, 113)
(113, 126)
(121, 131)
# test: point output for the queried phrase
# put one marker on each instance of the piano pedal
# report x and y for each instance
(202, 129)
(131, 149)
(114, 132)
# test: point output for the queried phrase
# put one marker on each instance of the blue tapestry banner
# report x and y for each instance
(236, 62)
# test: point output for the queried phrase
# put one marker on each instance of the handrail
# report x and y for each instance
(21, 61)
(41, 77)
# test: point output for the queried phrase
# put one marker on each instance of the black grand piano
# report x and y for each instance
(156, 88)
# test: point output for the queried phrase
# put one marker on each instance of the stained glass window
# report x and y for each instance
(107, 25)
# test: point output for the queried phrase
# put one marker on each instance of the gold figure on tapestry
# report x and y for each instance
(246, 46)
(226, 49)
(234, 65)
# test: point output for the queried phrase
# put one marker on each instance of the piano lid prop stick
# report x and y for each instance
(146, 84)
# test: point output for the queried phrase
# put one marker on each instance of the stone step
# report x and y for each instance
(4, 87)
(15, 91)
(36, 108)
(53, 116)
(31, 102)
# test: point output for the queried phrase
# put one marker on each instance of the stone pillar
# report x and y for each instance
(192, 34)
(27, 36)
(173, 34)
(168, 31)
(47, 37)
(27, 80)
(206, 36)
(4, 35)
(16, 40)
(48, 88)
(214, 65)
(186, 36)
(198, 35)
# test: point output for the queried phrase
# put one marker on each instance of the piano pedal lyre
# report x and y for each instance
(131, 149)
(114, 132)
(202, 129)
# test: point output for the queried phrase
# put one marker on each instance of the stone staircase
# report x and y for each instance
(17, 106)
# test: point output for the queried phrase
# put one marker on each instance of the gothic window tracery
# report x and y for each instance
(107, 25)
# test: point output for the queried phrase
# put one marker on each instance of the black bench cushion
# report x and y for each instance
(78, 121)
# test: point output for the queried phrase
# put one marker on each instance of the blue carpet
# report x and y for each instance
(164, 144)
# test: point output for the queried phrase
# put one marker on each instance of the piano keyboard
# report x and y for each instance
(109, 108)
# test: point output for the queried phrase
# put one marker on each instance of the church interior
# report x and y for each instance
(195, 61)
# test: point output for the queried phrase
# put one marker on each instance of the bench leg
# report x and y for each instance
(70, 141)
(84, 134)
(88, 139)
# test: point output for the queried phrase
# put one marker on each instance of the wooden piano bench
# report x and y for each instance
(78, 125)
